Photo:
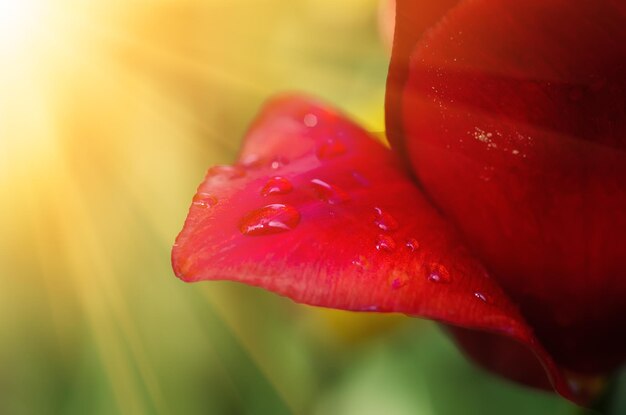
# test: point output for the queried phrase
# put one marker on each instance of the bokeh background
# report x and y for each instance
(110, 113)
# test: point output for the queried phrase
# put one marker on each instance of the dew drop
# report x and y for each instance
(279, 162)
(204, 200)
(482, 297)
(277, 186)
(270, 219)
(438, 273)
(385, 243)
(310, 120)
(224, 172)
(329, 193)
(361, 262)
(412, 244)
(330, 149)
(385, 221)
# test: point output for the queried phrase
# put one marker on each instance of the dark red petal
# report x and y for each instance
(515, 121)
(351, 232)
(413, 19)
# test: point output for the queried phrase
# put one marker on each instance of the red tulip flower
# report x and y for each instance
(500, 210)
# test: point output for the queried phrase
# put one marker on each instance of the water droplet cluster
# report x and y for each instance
(278, 218)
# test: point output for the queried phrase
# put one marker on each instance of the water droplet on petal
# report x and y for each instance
(270, 219)
(224, 172)
(277, 186)
(438, 273)
(310, 120)
(385, 243)
(385, 221)
(398, 279)
(329, 193)
(482, 297)
(204, 200)
(412, 244)
(279, 162)
(330, 149)
(361, 262)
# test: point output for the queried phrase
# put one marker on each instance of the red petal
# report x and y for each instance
(515, 120)
(350, 232)
(413, 19)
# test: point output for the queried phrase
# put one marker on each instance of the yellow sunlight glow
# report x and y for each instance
(19, 21)
(110, 112)
(22, 114)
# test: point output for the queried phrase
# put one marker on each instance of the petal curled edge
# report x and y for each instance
(319, 211)
(414, 18)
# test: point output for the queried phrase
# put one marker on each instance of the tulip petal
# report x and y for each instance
(513, 115)
(319, 211)
(414, 18)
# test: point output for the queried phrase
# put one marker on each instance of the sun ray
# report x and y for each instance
(107, 117)
(94, 274)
